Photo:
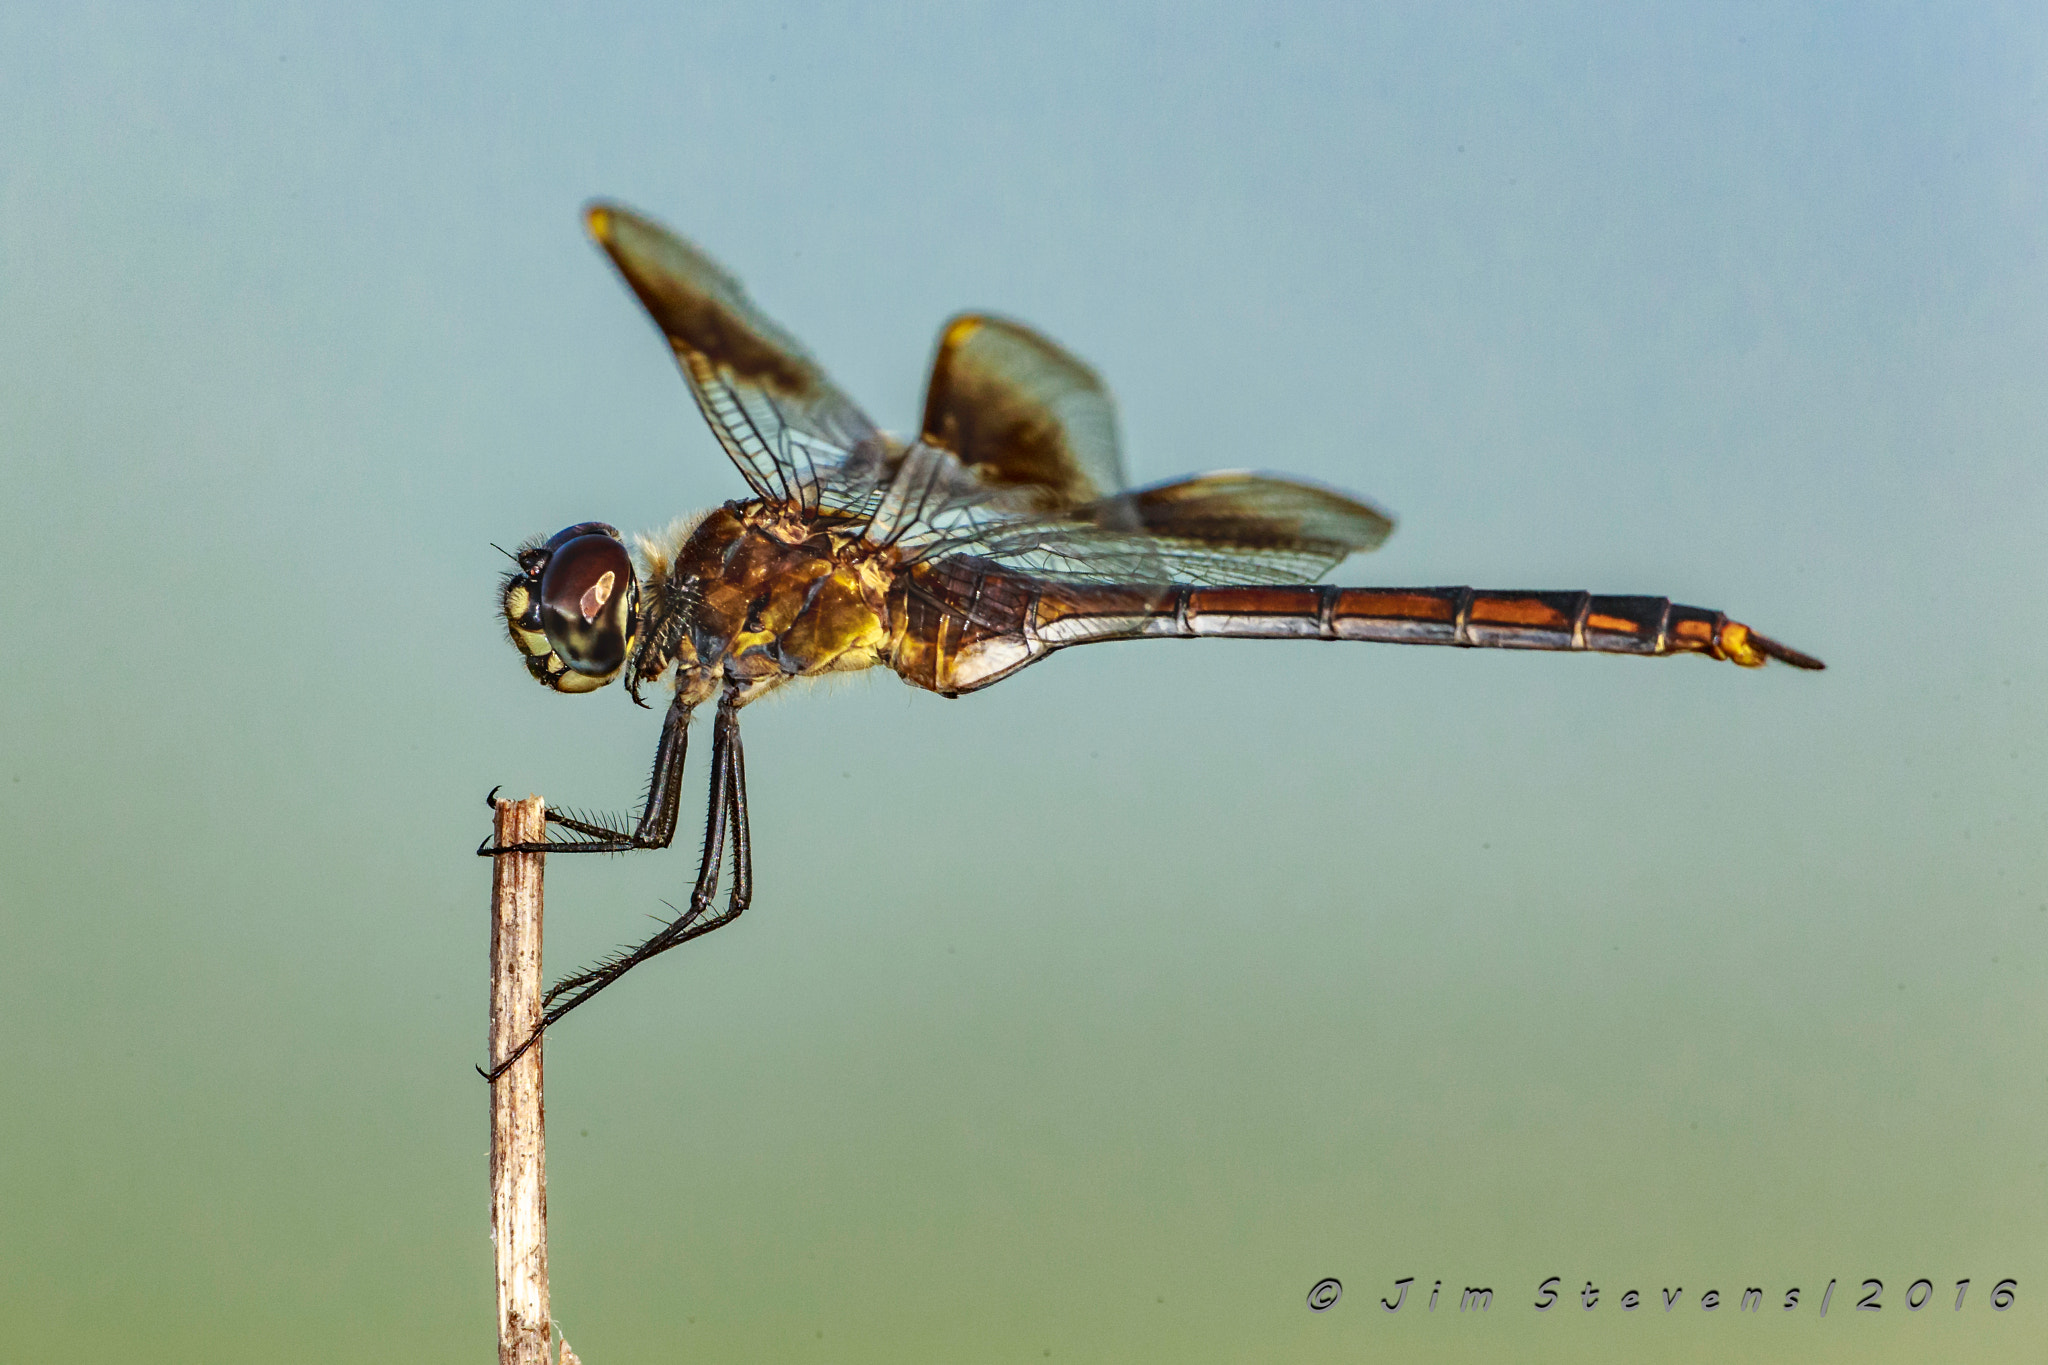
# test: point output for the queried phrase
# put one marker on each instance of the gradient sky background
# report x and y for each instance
(1101, 1014)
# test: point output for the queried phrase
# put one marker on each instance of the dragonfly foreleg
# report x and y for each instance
(725, 814)
(655, 828)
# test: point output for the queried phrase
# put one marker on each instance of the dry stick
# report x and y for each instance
(519, 1185)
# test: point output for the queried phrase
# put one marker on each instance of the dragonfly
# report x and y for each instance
(1003, 532)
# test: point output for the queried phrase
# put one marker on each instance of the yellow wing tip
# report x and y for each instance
(960, 329)
(598, 219)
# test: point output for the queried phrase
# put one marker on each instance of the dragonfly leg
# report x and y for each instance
(726, 814)
(656, 826)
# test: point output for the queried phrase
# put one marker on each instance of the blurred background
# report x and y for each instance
(1098, 1016)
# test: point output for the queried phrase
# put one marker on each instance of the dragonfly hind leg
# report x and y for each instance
(655, 828)
(726, 815)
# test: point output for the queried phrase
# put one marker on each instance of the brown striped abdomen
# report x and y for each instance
(968, 625)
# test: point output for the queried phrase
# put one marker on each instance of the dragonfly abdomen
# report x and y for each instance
(968, 628)
(1459, 617)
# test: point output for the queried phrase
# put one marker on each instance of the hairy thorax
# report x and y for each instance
(754, 596)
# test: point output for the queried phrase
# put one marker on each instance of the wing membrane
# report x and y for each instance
(1249, 511)
(794, 436)
(1228, 527)
(1022, 414)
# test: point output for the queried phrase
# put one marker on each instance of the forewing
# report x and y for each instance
(1022, 414)
(1014, 427)
(1229, 527)
(794, 436)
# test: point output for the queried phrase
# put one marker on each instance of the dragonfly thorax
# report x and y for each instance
(753, 596)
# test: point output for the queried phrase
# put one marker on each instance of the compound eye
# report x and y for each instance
(586, 593)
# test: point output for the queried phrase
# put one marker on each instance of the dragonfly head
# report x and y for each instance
(572, 606)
